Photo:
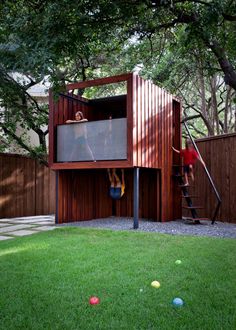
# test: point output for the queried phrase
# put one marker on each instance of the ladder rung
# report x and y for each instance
(184, 186)
(196, 219)
(192, 207)
(180, 175)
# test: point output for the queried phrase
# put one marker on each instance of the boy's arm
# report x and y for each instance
(201, 160)
(176, 150)
(199, 157)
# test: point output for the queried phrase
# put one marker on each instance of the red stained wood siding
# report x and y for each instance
(153, 113)
(152, 124)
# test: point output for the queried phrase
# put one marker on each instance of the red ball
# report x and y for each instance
(94, 300)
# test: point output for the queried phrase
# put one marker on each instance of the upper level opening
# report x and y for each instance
(97, 102)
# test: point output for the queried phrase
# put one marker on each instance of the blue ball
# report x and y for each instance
(177, 302)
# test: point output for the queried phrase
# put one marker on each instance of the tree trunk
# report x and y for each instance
(205, 115)
(227, 104)
(213, 85)
(226, 66)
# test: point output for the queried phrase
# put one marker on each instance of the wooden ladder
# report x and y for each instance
(194, 219)
(185, 192)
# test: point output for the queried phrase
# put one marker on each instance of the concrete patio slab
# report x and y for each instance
(4, 225)
(36, 217)
(33, 221)
(3, 238)
(13, 228)
(22, 232)
(23, 226)
(43, 223)
(3, 220)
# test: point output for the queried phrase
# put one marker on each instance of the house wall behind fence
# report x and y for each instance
(219, 154)
(27, 188)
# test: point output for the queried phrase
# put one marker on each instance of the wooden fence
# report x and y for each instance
(219, 154)
(26, 187)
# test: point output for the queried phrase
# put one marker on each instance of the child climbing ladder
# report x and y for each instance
(190, 156)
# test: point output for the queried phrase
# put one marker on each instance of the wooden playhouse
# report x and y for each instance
(132, 124)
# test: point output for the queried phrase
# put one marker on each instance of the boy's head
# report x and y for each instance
(188, 144)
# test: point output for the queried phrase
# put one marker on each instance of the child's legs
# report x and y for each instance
(111, 177)
(191, 171)
(109, 174)
(123, 176)
(118, 182)
(186, 178)
(186, 172)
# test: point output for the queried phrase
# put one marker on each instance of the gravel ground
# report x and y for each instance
(178, 227)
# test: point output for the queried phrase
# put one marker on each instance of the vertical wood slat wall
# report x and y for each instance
(152, 136)
(219, 154)
(26, 187)
(84, 195)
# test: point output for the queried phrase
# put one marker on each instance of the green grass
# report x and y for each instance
(47, 279)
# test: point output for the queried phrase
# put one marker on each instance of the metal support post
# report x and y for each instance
(136, 197)
(56, 211)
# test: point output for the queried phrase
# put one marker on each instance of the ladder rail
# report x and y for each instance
(208, 176)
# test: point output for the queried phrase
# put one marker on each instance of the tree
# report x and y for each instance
(37, 40)
(77, 40)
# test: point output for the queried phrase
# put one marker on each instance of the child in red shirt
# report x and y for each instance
(189, 156)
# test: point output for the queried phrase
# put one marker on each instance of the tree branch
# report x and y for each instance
(24, 145)
(191, 117)
(229, 18)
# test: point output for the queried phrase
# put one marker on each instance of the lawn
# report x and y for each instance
(47, 279)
